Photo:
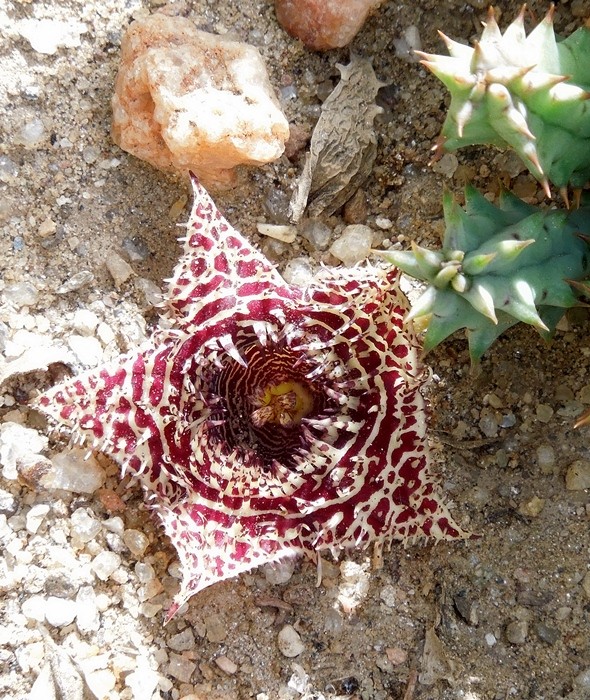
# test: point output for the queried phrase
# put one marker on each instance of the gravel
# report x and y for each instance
(86, 574)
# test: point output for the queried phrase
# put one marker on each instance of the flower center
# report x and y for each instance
(265, 408)
(284, 404)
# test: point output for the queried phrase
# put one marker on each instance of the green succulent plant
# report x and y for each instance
(526, 92)
(498, 265)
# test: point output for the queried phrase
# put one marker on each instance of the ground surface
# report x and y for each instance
(510, 609)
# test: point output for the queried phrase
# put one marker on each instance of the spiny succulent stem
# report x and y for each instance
(521, 91)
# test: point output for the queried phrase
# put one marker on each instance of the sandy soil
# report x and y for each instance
(510, 610)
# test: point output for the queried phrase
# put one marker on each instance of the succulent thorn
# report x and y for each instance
(428, 260)
(510, 249)
(564, 196)
(438, 149)
(582, 287)
(584, 419)
(423, 305)
(583, 236)
(482, 301)
(447, 41)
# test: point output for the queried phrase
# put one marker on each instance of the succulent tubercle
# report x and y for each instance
(498, 265)
(529, 92)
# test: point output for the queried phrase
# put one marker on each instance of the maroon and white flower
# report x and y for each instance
(266, 420)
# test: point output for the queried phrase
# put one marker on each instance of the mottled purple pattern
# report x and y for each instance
(176, 414)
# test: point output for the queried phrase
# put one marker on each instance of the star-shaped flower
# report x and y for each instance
(266, 420)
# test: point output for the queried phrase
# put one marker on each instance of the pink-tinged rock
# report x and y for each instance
(188, 100)
(324, 24)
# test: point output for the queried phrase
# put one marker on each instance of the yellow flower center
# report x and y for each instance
(284, 404)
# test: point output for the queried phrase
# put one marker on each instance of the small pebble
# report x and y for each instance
(533, 507)
(74, 470)
(35, 517)
(388, 596)
(226, 665)
(87, 349)
(87, 614)
(547, 634)
(516, 632)
(100, 682)
(60, 612)
(33, 608)
(136, 248)
(183, 641)
(353, 245)
(286, 234)
(76, 281)
(447, 165)
(408, 43)
(32, 133)
(317, 233)
(19, 444)
(21, 294)
(47, 35)
(119, 269)
(466, 608)
(144, 572)
(136, 541)
(114, 524)
(216, 630)
(289, 642)
(544, 413)
(586, 584)
(298, 272)
(105, 564)
(181, 668)
(546, 458)
(8, 170)
(508, 420)
(8, 503)
(143, 681)
(577, 477)
(85, 321)
(488, 423)
(563, 612)
(90, 154)
(396, 655)
(279, 572)
(383, 223)
(84, 525)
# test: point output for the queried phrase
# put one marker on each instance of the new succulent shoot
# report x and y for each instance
(525, 92)
(498, 265)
